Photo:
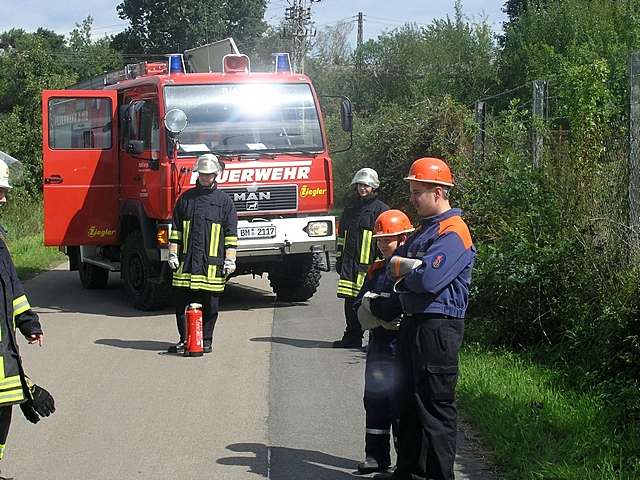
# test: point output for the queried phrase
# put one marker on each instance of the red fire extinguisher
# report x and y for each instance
(193, 317)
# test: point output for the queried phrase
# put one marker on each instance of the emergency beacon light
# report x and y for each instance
(282, 62)
(176, 63)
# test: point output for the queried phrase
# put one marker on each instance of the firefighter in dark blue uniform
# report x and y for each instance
(355, 250)
(433, 269)
(202, 249)
(379, 311)
(15, 386)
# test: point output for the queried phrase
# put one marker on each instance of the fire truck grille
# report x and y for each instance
(263, 199)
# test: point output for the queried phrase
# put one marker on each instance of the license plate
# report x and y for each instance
(261, 231)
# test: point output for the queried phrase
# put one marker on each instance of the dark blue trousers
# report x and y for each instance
(428, 361)
(380, 386)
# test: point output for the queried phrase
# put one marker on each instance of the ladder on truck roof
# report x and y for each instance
(204, 59)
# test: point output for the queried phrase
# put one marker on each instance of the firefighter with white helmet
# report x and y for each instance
(202, 249)
(4, 178)
(355, 250)
(35, 402)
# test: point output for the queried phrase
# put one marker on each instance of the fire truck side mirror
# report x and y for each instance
(346, 115)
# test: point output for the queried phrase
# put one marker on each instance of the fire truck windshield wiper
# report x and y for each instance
(250, 155)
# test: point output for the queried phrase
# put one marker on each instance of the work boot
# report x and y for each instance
(177, 348)
(388, 474)
(207, 346)
(371, 465)
(348, 342)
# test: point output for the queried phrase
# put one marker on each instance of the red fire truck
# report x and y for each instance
(116, 158)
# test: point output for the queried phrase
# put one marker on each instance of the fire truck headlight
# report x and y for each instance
(319, 229)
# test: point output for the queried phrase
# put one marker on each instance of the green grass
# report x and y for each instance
(537, 426)
(23, 221)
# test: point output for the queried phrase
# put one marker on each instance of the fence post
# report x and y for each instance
(634, 152)
(480, 117)
(539, 103)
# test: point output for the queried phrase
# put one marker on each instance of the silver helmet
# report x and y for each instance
(207, 164)
(368, 176)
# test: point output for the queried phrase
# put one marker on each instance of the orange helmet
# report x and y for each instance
(392, 222)
(430, 170)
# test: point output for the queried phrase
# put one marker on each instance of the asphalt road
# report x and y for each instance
(273, 400)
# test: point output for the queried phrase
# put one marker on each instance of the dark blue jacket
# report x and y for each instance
(441, 284)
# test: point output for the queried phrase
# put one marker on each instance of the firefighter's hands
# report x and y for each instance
(36, 338)
(174, 261)
(339, 264)
(398, 266)
(393, 325)
(41, 404)
(229, 266)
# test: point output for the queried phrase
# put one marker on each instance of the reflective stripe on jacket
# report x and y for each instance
(204, 226)
(355, 247)
(16, 312)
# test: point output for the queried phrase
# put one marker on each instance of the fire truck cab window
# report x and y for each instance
(80, 123)
(245, 118)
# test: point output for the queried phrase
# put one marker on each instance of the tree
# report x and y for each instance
(451, 56)
(332, 46)
(89, 58)
(164, 26)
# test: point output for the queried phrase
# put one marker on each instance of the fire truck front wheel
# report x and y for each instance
(92, 277)
(141, 276)
(297, 278)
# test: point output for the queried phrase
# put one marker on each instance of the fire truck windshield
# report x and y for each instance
(246, 118)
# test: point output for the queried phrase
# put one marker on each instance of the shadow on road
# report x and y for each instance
(150, 345)
(59, 291)
(295, 342)
(282, 463)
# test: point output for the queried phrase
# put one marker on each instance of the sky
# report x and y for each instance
(379, 15)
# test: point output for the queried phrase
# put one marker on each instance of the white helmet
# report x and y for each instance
(368, 176)
(4, 175)
(207, 164)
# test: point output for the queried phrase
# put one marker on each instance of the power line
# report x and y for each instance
(394, 20)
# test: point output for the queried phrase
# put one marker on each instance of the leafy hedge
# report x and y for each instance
(552, 274)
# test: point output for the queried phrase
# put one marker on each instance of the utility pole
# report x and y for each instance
(478, 144)
(540, 97)
(360, 29)
(300, 28)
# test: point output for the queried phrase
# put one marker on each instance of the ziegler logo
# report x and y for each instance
(96, 232)
(253, 196)
(305, 191)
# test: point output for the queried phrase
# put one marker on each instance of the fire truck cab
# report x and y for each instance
(115, 163)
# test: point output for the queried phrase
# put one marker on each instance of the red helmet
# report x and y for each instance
(392, 222)
(430, 170)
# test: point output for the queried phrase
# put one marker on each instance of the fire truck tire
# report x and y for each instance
(137, 273)
(92, 277)
(297, 278)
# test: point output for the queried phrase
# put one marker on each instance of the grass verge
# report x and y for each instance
(22, 218)
(537, 426)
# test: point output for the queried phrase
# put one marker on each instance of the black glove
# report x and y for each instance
(41, 404)
(339, 264)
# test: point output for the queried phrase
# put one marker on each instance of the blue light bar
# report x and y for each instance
(176, 63)
(282, 62)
